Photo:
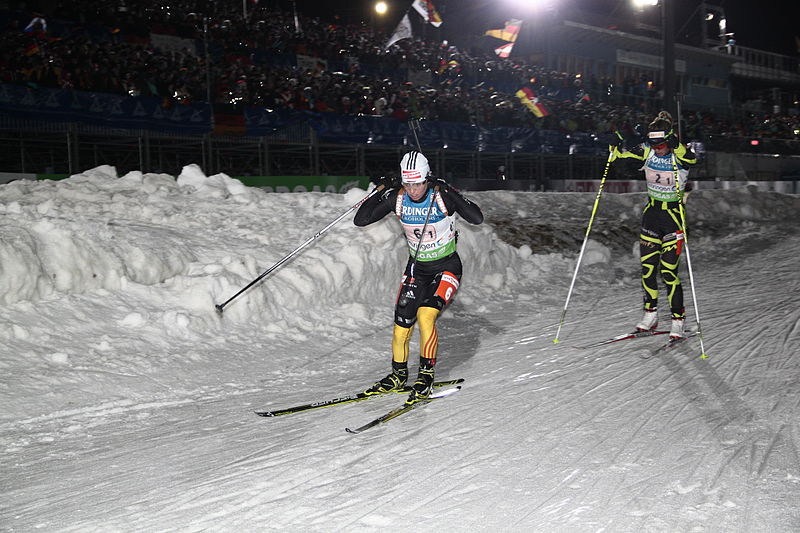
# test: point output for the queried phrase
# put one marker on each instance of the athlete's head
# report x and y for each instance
(414, 167)
(414, 171)
(659, 131)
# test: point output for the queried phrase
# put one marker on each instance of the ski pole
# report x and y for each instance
(221, 307)
(682, 212)
(414, 124)
(583, 246)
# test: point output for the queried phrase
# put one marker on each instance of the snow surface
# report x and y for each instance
(127, 402)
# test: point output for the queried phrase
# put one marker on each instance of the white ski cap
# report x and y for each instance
(414, 167)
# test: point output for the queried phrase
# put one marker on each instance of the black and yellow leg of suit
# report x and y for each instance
(660, 247)
(428, 337)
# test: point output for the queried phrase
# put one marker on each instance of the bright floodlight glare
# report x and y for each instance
(644, 3)
(380, 8)
(530, 6)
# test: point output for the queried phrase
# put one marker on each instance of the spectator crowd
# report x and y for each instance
(237, 59)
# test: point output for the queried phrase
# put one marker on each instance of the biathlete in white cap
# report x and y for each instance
(426, 208)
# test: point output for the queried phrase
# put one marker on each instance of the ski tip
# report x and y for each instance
(351, 431)
(441, 394)
(267, 414)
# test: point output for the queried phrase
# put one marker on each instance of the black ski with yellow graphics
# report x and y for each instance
(405, 408)
(349, 398)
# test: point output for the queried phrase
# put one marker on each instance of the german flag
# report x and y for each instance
(531, 101)
(509, 33)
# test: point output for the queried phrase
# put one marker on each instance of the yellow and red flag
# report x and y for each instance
(531, 101)
(509, 33)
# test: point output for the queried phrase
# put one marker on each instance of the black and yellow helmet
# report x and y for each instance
(660, 130)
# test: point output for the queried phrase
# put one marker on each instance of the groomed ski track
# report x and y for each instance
(543, 437)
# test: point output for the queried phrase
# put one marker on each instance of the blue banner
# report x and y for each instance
(100, 109)
(334, 128)
(148, 113)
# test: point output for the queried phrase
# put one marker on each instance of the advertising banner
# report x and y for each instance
(338, 184)
(100, 109)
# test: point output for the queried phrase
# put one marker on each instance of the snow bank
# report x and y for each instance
(195, 241)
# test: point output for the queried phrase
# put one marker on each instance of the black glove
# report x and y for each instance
(440, 183)
(672, 141)
(387, 182)
(611, 139)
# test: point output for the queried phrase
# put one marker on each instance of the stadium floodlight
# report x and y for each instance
(381, 8)
(641, 4)
(531, 5)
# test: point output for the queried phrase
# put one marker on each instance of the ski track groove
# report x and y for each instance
(633, 388)
(768, 450)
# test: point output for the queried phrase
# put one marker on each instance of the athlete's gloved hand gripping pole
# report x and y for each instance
(611, 157)
(381, 185)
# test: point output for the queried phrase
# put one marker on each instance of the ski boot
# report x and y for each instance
(649, 321)
(394, 382)
(676, 331)
(421, 389)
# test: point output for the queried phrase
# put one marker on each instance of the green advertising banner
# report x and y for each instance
(340, 184)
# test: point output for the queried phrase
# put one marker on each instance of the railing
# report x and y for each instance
(69, 148)
(73, 150)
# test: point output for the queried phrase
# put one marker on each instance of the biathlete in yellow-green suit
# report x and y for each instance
(663, 223)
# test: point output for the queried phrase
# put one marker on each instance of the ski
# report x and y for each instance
(624, 337)
(348, 398)
(394, 413)
(671, 343)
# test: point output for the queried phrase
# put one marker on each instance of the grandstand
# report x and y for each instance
(268, 92)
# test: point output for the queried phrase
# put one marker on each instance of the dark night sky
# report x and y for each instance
(770, 26)
(764, 25)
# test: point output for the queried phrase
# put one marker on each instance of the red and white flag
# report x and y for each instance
(505, 50)
(428, 12)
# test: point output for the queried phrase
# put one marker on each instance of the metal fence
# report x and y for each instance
(68, 148)
(62, 148)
